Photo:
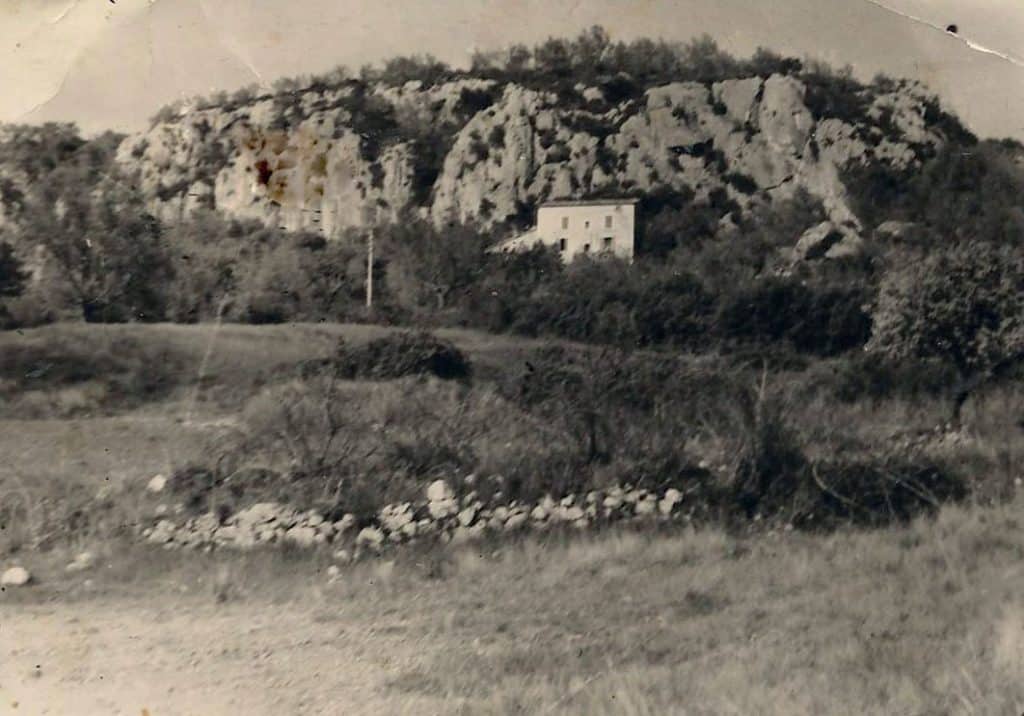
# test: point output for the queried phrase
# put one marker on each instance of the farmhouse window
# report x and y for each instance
(565, 222)
(608, 222)
(608, 242)
(561, 244)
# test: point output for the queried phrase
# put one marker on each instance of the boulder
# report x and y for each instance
(467, 516)
(646, 506)
(612, 502)
(162, 532)
(370, 537)
(573, 513)
(346, 523)
(82, 562)
(439, 509)
(896, 230)
(15, 577)
(395, 517)
(668, 502)
(827, 240)
(515, 521)
(439, 491)
(301, 536)
(157, 483)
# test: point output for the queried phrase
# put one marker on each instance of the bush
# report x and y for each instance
(823, 320)
(773, 478)
(344, 446)
(120, 372)
(864, 376)
(877, 492)
(402, 354)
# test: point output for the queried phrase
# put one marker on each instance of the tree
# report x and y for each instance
(12, 278)
(963, 305)
(427, 267)
(108, 247)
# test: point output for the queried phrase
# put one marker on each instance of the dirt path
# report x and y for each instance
(105, 657)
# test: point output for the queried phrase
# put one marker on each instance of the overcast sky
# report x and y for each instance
(107, 64)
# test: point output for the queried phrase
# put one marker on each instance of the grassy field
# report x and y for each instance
(922, 619)
(927, 619)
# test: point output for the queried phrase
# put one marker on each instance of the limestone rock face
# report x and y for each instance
(328, 160)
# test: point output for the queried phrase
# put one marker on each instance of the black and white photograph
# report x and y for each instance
(503, 357)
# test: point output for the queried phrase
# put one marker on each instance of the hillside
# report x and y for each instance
(475, 150)
(747, 170)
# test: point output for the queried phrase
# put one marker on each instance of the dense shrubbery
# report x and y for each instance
(118, 371)
(568, 421)
(398, 355)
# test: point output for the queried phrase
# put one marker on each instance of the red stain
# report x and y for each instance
(264, 171)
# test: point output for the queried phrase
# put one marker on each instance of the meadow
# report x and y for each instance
(724, 617)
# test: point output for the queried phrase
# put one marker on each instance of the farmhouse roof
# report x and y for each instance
(590, 202)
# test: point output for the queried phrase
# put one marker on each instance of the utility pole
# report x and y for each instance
(370, 219)
(369, 268)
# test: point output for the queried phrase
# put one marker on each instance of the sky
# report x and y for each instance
(110, 64)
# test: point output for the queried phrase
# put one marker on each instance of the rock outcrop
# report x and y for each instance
(326, 160)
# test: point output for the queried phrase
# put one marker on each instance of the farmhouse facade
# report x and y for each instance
(595, 226)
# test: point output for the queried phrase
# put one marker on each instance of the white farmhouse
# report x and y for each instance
(593, 226)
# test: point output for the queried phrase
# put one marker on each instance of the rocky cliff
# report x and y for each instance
(477, 151)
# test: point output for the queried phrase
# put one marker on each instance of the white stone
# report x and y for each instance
(646, 506)
(574, 513)
(260, 513)
(370, 537)
(333, 572)
(515, 521)
(395, 517)
(157, 483)
(162, 532)
(612, 502)
(302, 536)
(82, 562)
(346, 523)
(461, 535)
(539, 513)
(15, 577)
(439, 509)
(667, 503)
(343, 556)
(467, 516)
(439, 491)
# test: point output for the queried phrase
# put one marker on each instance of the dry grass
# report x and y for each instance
(926, 619)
